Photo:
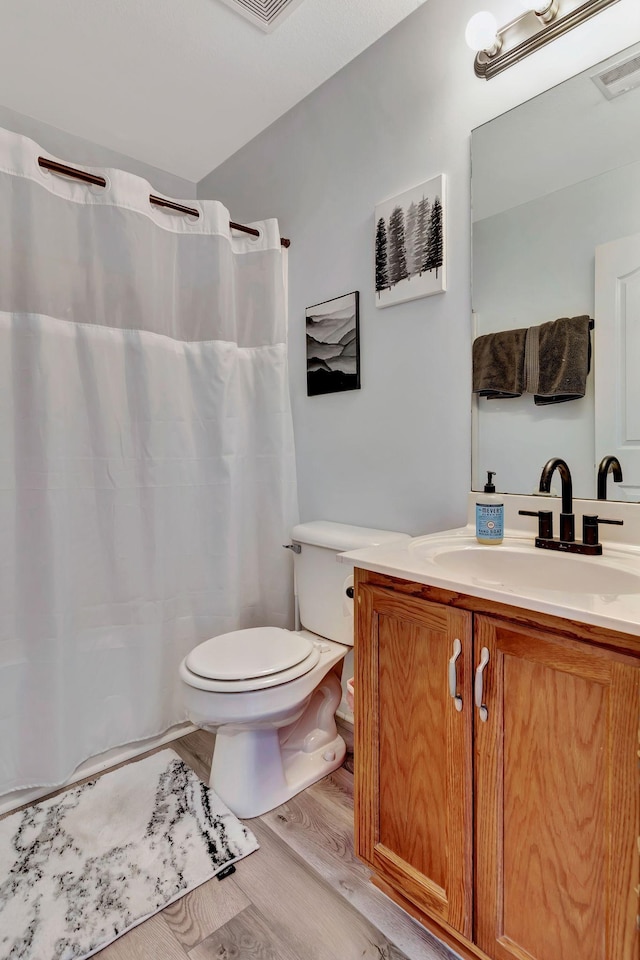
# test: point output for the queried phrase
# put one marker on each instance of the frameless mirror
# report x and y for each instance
(555, 199)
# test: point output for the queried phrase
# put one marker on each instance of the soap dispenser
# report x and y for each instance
(489, 513)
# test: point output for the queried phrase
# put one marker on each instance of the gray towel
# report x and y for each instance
(557, 360)
(498, 364)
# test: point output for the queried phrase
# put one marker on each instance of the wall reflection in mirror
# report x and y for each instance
(556, 234)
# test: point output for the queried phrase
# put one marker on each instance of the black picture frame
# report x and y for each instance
(333, 345)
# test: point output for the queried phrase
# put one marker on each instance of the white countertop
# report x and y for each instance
(412, 560)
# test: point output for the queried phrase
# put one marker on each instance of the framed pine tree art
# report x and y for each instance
(410, 244)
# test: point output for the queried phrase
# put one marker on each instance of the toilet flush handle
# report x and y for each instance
(293, 546)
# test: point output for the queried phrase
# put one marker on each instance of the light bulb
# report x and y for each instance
(482, 32)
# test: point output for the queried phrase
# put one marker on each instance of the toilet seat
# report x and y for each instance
(252, 659)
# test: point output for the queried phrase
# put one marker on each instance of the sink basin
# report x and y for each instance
(519, 567)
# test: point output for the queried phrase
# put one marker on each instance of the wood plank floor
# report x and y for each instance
(302, 896)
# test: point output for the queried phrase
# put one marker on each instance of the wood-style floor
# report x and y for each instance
(301, 896)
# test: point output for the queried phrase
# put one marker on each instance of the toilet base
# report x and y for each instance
(255, 770)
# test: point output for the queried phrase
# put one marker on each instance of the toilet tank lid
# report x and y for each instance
(342, 536)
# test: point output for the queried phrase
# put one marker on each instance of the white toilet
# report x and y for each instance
(271, 694)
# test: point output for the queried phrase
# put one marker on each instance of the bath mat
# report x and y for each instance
(79, 870)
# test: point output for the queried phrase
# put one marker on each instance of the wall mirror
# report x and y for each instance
(555, 200)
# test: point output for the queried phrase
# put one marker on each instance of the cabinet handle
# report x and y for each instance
(453, 674)
(482, 707)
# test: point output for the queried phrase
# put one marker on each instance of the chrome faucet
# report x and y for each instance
(608, 464)
(567, 539)
(567, 519)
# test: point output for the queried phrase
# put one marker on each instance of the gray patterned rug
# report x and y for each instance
(79, 870)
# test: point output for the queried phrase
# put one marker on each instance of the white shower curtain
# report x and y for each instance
(147, 477)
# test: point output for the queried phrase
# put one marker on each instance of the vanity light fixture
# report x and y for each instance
(540, 22)
(545, 10)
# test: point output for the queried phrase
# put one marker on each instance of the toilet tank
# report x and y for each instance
(322, 582)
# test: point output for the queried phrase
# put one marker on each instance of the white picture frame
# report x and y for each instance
(410, 247)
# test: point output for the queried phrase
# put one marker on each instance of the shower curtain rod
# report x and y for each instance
(85, 177)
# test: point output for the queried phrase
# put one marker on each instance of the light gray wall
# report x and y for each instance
(73, 149)
(395, 454)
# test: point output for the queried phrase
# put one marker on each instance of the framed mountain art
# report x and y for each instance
(410, 244)
(333, 345)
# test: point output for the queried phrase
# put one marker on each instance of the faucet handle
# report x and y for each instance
(590, 527)
(545, 522)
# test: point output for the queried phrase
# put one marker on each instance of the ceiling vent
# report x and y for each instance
(266, 14)
(619, 78)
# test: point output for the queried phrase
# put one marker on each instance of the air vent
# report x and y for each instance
(266, 14)
(619, 78)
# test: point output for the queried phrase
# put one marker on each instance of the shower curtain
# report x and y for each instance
(147, 473)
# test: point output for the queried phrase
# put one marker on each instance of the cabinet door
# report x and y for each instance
(413, 751)
(556, 797)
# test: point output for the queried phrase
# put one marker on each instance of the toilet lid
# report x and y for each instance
(249, 654)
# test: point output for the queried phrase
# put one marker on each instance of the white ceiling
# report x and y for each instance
(180, 84)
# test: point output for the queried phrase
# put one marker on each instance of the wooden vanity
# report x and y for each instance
(515, 837)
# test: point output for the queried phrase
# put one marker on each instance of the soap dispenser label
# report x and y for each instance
(490, 521)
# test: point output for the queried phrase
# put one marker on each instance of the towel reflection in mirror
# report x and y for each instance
(551, 361)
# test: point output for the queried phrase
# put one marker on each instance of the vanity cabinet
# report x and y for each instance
(511, 829)
(415, 816)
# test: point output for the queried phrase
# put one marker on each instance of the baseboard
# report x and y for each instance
(345, 729)
(344, 713)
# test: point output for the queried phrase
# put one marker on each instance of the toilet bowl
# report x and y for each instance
(272, 741)
(270, 694)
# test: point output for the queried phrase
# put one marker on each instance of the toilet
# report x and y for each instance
(271, 694)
